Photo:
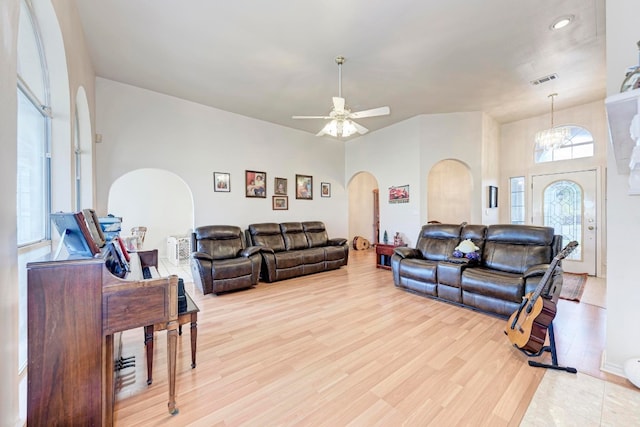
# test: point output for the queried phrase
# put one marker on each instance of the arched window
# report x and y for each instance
(33, 180)
(577, 143)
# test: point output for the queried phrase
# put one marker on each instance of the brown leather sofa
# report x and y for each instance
(221, 261)
(512, 260)
(292, 249)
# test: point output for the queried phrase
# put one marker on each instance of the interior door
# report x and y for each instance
(567, 202)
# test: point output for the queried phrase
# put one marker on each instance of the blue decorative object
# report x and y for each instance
(473, 255)
(458, 254)
(385, 238)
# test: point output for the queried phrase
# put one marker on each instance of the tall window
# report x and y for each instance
(78, 161)
(33, 191)
(578, 143)
(516, 185)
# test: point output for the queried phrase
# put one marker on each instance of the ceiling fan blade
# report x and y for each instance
(338, 104)
(380, 111)
(361, 129)
(311, 117)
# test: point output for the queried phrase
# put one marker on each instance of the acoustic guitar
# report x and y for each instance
(527, 326)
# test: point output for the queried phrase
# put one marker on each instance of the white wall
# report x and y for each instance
(456, 136)
(405, 153)
(150, 208)
(517, 159)
(145, 129)
(623, 211)
(391, 155)
(491, 165)
(8, 247)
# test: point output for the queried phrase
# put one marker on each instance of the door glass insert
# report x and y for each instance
(562, 210)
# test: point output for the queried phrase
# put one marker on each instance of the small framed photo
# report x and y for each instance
(399, 194)
(280, 186)
(280, 203)
(221, 182)
(304, 187)
(325, 189)
(255, 184)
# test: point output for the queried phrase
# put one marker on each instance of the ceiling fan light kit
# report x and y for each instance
(341, 124)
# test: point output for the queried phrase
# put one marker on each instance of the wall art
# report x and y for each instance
(255, 184)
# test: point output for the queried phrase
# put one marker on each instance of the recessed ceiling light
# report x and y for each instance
(561, 22)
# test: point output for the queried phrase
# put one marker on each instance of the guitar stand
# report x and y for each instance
(554, 355)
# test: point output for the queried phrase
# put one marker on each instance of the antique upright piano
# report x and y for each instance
(74, 308)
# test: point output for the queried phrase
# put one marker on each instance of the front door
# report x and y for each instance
(567, 202)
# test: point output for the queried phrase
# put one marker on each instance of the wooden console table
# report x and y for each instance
(383, 255)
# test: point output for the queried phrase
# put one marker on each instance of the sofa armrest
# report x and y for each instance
(201, 255)
(336, 242)
(404, 252)
(536, 270)
(265, 249)
(251, 250)
(462, 261)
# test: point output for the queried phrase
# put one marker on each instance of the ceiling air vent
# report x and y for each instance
(544, 79)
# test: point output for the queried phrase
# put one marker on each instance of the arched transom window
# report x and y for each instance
(577, 142)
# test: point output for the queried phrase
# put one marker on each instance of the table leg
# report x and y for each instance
(109, 388)
(148, 342)
(172, 345)
(194, 337)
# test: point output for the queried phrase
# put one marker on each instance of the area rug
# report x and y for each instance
(573, 286)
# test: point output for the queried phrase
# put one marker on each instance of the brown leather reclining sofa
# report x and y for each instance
(512, 260)
(292, 249)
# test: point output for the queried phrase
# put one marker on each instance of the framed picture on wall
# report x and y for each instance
(325, 189)
(304, 187)
(399, 194)
(280, 203)
(280, 186)
(255, 184)
(221, 182)
(493, 196)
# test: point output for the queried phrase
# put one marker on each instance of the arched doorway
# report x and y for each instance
(154, 198)
(449, 187)
(361, 206)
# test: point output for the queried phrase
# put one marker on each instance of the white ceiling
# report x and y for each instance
(273, 59)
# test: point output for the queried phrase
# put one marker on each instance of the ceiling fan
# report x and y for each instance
(341, 124)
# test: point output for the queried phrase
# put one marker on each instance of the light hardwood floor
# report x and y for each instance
(347, 348)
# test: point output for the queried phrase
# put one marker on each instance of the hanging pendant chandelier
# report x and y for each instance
(553, 137)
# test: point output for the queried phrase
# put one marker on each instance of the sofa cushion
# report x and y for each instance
(514, 248)
(294, 237)
(231, 268)
(475, 233)
(316, 233)
(418, 269)
(493, 284)
(437, 241)
(219, 241)
(288, 259)
(313, 255)
(266, 234)
(334, 253)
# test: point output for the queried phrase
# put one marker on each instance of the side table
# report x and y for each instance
(190, 314)
(383, 255)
